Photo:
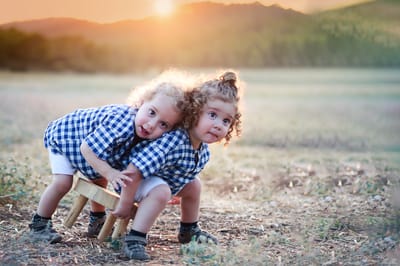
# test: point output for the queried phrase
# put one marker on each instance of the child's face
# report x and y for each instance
(156, 116)
(215, 119)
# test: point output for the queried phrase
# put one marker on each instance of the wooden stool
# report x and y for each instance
(89, 191)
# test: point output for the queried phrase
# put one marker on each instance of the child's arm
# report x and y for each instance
(114, 176)
(123, 209)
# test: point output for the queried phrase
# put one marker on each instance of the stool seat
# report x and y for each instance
(90, 191)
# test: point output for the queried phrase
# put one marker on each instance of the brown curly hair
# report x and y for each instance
(223, 88)
(171, 83)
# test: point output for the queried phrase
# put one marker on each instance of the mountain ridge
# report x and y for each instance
(209, 35)
(186, 15)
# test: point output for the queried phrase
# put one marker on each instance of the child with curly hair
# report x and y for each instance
(95, 141)
(170, 165)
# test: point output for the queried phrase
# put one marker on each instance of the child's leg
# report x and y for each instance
(153, 195)
(97, 215)
(190, 205)
(41, 227)
(52, 195)
(190, 201)
(63, 172)
(150, 208)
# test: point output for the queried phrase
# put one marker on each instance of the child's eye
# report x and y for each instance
(163, 125)
(212, 115)
(227, 122)
(151, 112)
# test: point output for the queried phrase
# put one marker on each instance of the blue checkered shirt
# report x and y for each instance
(108, 130)
(171, 158)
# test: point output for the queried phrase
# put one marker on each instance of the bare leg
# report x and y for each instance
(52, 195)
(190, 208)
(190, 201)
(151, 207)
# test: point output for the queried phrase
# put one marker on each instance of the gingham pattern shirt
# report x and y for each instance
(108, 130)
(171, 158)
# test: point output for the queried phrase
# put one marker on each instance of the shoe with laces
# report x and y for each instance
(187, 234)
(95, 225)
(42, 230)
(134, 248)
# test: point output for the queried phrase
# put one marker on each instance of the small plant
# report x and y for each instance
(323, 229)
(328, 228)
(13, 178)
(240, 252)
(114, 244)
(198, 254)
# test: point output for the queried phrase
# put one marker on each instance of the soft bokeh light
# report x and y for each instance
(164, 7)
(105, 11)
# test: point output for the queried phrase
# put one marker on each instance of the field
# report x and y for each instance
(313, 180)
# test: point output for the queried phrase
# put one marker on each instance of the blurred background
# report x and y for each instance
(236, 34)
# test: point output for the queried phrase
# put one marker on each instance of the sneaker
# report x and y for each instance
(134, 248)
(187, 234)
(95, 225)
(42, 230)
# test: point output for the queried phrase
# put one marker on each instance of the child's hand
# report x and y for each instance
(118, 179)
(131, 174)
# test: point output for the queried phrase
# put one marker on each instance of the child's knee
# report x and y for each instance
(194, 186)
(161, 193)
(62, 183)
(192, 189)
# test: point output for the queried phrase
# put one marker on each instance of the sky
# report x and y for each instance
(107, 11)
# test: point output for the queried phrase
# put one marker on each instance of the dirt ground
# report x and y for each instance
(263, 210)
(291, 227)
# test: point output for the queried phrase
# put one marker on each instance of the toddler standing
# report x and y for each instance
(171, 164)
(97, 142)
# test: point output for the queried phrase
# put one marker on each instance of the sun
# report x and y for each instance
(163, 7)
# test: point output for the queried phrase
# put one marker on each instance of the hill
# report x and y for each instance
(191, 18)
(209, 34)
(379, 20)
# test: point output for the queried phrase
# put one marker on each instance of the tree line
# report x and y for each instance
(318, 41)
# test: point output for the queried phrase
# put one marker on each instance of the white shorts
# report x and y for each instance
(146, 186)
(60, 164)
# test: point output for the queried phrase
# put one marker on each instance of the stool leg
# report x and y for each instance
(75, 211)
(107, 227)
(121, 227)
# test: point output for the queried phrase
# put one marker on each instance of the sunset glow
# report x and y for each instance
(105, 11)
(163, 7)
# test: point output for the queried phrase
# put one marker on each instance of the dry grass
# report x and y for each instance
(312, 182)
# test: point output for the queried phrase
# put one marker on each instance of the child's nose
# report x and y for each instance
(218, 124)
(152, 123)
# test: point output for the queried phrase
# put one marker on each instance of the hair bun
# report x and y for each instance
(228, 77)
